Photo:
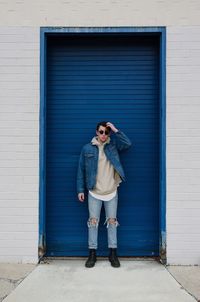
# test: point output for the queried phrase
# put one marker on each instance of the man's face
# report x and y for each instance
(102, 134)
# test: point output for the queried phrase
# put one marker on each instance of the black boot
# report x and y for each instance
(91, 259)
(113, 258)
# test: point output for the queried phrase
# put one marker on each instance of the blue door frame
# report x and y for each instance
(150, 31)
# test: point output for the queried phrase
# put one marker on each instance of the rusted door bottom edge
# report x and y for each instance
(100, 258)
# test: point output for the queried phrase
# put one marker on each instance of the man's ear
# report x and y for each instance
(97, 132)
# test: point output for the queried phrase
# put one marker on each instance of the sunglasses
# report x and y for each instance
(102, 132)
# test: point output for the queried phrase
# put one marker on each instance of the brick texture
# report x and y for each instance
(99, 13)
(183, 145)
(19, 143)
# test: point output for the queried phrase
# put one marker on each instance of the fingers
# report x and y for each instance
(108, 124)
(81, 197)
(113, 128)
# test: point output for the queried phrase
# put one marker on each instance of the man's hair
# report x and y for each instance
(103, 123)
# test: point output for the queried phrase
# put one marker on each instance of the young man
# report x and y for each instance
(100, 172)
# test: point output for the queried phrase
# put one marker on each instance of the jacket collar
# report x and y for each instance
(95, 141)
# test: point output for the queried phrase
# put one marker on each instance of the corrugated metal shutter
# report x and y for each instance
(92, 78)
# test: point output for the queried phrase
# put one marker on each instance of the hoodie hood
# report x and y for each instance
(95, 141)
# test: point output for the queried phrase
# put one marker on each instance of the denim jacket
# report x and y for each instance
(88, 161)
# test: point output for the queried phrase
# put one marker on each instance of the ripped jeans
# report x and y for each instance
(94, 206)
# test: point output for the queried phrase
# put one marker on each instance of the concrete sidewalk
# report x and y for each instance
(11, 275)
(189, 278)
(69, 280)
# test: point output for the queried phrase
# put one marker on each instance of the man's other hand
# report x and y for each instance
(81, 197)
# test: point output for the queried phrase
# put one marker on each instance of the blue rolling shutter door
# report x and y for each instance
(92, 78)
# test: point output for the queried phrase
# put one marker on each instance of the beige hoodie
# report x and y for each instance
(107, 179)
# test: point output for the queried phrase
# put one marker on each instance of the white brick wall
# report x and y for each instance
(19, 143)
(99, 12)
(183, 145)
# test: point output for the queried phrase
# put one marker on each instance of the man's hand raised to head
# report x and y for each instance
(112, 127)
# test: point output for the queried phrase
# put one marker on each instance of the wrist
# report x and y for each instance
(115, 130)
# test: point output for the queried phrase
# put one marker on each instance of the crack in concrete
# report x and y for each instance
(2, 298)
(182, 287)
(14, 281)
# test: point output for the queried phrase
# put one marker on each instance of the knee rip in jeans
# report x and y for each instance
(93, 222)
(111, 221)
